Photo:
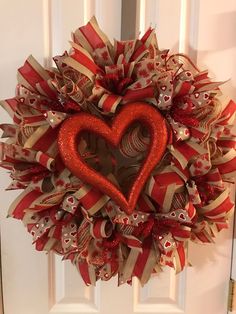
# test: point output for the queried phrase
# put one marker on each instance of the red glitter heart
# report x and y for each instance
(144, 113)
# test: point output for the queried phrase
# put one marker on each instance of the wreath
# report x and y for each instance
(124, 153)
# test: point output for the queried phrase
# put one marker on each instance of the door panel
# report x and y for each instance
(36, 283)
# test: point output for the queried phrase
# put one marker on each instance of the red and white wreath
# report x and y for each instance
(123, 152)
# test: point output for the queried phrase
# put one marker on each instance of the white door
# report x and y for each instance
(34, 283)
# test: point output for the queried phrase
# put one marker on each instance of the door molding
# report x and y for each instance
(1, 287)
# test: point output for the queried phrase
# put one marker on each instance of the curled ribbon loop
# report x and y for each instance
(101, 228)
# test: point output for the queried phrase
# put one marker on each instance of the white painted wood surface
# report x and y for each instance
(34, 283)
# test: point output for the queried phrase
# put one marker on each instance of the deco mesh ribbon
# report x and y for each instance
(186, 196)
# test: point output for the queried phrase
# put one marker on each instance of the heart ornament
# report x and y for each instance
(130, 113)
